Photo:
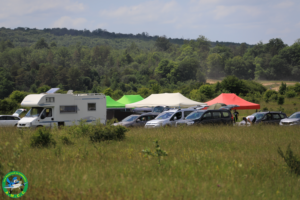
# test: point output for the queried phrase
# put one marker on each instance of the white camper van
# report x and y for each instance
(54, 109)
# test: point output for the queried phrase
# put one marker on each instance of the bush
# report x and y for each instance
(280, 100)
(66, 140)
(207, 90)
(290, 93)
(292, 161)
(42, 138)
(18, 96)
(270, 95)
(102, 133)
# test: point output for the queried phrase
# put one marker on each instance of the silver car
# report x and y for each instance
(8, 120)
(136, 120)
(169, 118)
(294, 119)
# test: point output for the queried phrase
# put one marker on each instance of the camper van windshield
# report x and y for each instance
(34, 112)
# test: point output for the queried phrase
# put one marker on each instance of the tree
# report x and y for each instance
(234, 85)
(162, 43)
(237, 67)
(40, 44)
(43, 89)
(282, 88)
(215, 66)
(18, 96)
(6, 84)
(74, 79)
(207, 90)
(274, 46)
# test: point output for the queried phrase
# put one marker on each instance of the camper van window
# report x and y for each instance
(68, 109)
(49, 99)
(91, 107)
(34, 112)
(47, 112)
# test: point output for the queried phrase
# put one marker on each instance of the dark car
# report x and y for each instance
(267, 117)
(137, 120)
(208, 117)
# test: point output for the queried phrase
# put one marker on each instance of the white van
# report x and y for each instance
(54, 109)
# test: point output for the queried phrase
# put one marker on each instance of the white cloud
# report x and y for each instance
(284, 4)
(66, 21)
(13, 8)
(145, 12)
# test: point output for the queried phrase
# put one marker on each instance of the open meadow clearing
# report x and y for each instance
(202, 163)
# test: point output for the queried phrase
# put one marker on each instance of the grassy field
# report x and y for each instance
(202, 163)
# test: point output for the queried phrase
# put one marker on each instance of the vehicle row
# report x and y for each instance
(177, 117)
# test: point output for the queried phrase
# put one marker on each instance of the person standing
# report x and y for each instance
(236, 115)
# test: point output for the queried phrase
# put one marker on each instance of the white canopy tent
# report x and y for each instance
(166, 99)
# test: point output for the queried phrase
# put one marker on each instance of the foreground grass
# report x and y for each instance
(203, 163)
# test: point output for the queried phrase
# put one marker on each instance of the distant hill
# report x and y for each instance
(62, 36)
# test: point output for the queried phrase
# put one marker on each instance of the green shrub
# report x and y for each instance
(282, 88)
(270, 95)
(280, 100)
(291, 160)
(66, 140)
(265, 109)
(290, 93)
(42, 138)
(102, 133)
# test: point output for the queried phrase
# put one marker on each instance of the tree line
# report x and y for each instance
(160, 67)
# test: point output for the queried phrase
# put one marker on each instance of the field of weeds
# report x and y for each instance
(224, 162)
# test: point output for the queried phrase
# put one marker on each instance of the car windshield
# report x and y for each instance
(194, 115)
(158, 109)
(258, 115)
(166, 115)
(19, 111)
(34, 112)
(130, 118)
(295, 115)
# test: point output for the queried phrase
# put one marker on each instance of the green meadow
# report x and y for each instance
(223, 162)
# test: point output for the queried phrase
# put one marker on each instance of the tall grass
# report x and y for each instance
(202, 163)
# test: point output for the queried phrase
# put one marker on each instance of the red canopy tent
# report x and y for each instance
(230, 98)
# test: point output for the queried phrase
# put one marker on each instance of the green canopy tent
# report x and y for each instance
(111, 104)
(127, 99)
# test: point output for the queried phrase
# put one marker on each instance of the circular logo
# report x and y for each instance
(15, 184)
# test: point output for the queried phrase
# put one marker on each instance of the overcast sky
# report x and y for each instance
(222, 20)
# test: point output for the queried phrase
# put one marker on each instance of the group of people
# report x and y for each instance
(251, 119)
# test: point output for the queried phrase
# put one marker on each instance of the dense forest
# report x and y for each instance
(33, 60)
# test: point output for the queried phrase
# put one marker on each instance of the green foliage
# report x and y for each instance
(66, 140)
(8, 105)
(234, 85)
(207, 90)
(292, 161)
(117, 94)
(157, 153)
(270, 95)
(18, 96)
(290, 93)
(108, 92)
(280, 100)
(43, 89)
(282, 88)
(162, 43)
(101, 133)
(42, 138)
(40, 44)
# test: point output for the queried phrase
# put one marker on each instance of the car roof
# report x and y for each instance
(150, 113)
(275, 112)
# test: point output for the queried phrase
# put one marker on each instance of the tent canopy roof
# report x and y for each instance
(165, 99)
(110, 103)
(230, 98)
(127, 99)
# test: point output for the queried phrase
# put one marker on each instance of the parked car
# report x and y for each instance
(169, 118)
(294, 119)
(160, 109)
(136, 120)
(8, 120)
(199, 107)
(267, 117)
(208, 117)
